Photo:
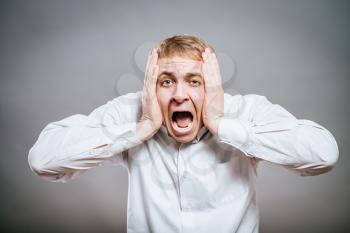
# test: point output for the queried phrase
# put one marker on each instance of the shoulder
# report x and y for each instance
(239, 97)
(239, 102)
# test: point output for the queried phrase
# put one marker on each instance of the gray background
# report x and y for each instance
(60, 58)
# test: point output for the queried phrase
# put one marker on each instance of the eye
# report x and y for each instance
(166, 83)
(195, 83)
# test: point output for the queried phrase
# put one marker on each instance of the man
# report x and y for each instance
(191, 150)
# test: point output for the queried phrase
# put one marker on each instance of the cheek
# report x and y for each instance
(163, 97)
(198, 98)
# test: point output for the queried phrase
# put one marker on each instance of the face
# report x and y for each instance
(180, 93)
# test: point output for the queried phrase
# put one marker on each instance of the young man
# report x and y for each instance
(191, 151)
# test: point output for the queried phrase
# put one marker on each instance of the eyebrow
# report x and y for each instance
(188, 75)
(193, 74)
(166, 73)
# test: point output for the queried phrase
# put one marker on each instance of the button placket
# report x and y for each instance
(180, 172)
(183, 175)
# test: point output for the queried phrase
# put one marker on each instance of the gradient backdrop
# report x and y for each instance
(59, 58)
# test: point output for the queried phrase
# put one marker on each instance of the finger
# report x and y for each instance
(149, 58)
(215, 62)
(214, 66)
(154, 77)
(151, 84)
(204, 55)
(210, 69)
(213, 83)
(153, 67)
(211, 73)
(209, 85)
(205, 72)
(152, 60)
(206, 68)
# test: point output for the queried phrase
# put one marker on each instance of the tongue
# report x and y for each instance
(183, 119)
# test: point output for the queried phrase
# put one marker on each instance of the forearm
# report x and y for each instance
(66, 147)
(269, 132)
(304, 146)
(145, 129)
(77, 143)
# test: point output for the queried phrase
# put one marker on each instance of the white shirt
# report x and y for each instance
(207, 185)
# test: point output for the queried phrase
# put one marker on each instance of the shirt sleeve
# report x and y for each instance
(266, 131)
(67, 148)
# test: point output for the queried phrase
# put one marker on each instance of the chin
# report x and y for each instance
(184, 139)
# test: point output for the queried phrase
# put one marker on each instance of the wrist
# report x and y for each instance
(214, 126)
(145, 129)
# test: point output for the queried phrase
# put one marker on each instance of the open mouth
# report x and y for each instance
(182, 121)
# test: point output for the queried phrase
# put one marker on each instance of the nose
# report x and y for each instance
(180, 94)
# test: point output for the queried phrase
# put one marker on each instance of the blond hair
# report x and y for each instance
(183, 46)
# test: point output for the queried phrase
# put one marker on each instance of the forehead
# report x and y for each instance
(179, 65)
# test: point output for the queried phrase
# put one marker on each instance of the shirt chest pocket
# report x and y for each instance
(209, 182)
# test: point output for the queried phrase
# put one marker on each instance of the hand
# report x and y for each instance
(151, 119)
(213, 107)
